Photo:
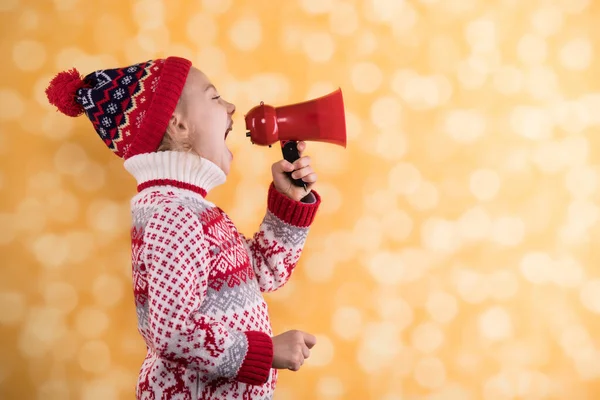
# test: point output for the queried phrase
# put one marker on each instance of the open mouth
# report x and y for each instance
(228, 130)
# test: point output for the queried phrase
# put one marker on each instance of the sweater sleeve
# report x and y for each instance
(276, 248)
(176, 258)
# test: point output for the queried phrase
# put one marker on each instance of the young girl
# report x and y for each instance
(197, 281)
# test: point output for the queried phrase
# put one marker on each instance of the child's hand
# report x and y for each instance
(302, 170)
(291, 348)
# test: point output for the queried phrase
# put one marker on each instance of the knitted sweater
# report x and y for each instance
(197, 281)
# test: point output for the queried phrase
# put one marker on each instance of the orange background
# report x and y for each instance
(454, 254)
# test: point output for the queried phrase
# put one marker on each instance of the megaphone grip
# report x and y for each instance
(289, 148)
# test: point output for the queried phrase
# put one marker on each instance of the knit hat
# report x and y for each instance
(129, 107)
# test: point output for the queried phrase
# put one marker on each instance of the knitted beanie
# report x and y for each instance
(129, 107)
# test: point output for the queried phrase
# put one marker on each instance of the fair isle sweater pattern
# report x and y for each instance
(198, 282)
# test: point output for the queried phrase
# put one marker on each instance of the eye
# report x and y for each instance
(216, 97)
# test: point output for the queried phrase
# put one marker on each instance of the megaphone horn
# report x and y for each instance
(321, 120)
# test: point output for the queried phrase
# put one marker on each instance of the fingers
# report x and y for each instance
(307, 176)
(296, 364)
(301, 146)
(291, 349)
(299, 358)
(303, 169)
(305, 352)
(302, 162)
(282, 166)
(300, 166)
(309, 340)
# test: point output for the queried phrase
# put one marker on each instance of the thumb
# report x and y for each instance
(309, 340)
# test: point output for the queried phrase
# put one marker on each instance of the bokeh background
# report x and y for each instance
(454, 256)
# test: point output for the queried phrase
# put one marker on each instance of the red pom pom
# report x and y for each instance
(62, 91)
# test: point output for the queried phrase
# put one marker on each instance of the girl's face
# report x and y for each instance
(207, 119)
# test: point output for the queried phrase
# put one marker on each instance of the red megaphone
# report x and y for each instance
(321, 120)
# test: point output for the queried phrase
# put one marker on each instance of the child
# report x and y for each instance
(197, 281)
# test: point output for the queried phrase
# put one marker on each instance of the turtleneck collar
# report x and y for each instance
(175, 168)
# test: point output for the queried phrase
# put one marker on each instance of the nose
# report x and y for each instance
(230, 108)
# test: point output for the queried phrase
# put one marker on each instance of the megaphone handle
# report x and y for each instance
(289, 148)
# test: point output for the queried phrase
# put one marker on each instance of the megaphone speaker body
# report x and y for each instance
(320, 120)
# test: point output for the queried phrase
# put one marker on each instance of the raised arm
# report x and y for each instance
(276, 247)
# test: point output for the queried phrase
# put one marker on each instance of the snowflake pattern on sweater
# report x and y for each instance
(197, 281)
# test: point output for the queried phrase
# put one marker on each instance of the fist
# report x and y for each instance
(291, 348)
(300, 169)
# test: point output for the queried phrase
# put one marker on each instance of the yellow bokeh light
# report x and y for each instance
(577, 54)
(60, 296)
(590, 295)
(318, 46)
(94, 356)
(485, 184)
(13, 307)
(465, 125)
(343, 19)
(470, 285)
(481, 34)
(379, 347)
(532, 50)
(508, 231)
(330, 388)
(246, 33)
(386, 112)
(542, 82)
(547, 20)
(427, 337)
(395, 310)
(347, 322)
(440, 235)
(322, 355)
(317, 6)
(430, 372)
(29, 55)
(91, 322)
(11, 105)
(508, 80)
(474, 224)
(397, 225)
(442, 306)
(201, 28)
(98, 389)
(404, 179)
(366, 77)
(496, 324)
(425, 197)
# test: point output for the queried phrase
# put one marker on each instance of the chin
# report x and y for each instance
(225, 168)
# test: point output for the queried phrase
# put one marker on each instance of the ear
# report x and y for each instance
(178, 128)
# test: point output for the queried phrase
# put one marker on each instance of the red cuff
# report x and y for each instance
(257, 365)
(290, 211)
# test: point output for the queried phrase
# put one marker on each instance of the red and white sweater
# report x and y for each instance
(198, 281)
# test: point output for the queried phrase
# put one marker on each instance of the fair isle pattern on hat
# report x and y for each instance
(111, 97)
(129, 107)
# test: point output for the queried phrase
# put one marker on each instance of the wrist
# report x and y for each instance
(257, 364)
(290, 211)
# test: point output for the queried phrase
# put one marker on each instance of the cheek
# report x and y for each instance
(220, 117)
(210, 124)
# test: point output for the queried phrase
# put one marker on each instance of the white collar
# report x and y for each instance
(177, 167)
